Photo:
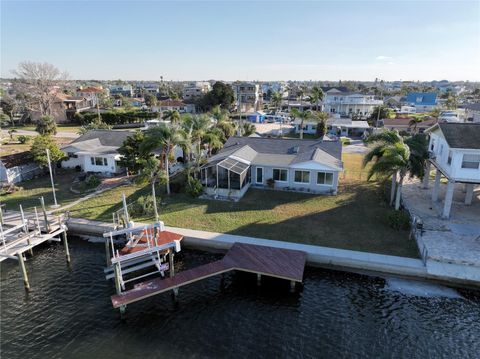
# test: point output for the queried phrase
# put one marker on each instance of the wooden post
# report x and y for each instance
(25, 230)
(172, 270)
(292, 286)
(65, 243)
(24, 271)
(47, 226)
(118, 286)
(259, 279)
(107, 252)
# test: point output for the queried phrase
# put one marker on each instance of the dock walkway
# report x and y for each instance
(262, 260)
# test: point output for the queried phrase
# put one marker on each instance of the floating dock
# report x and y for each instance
(273, 262)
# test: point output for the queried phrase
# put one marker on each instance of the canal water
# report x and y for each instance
(68, 314)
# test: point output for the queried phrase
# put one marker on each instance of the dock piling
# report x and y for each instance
(172, 271)
(292, 286)
(259, 279)
(21, 262)
(45, 218)
(65, 243)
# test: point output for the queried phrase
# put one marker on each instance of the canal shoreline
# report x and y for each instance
(317, 256)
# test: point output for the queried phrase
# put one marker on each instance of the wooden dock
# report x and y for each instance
(21, 231)
(262, 260)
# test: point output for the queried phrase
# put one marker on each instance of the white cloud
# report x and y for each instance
(382, 58)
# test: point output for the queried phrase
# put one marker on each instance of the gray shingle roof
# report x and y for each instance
(283, 152)
(461, 135)
(98, 142)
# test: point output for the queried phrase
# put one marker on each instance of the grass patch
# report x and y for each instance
(32, 190)
(60, 128)
(355, 219)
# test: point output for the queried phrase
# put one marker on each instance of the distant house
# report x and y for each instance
(472, 112)
(288, 164)
(194, 90)
(124, 90)
(256, 117)
(423, 101)
(403, 124)
(454, 150)
(349, 104)
(92, 94)
(335, 126)
(74, 105)
(96, 151)
(180, 106)
(248, 96)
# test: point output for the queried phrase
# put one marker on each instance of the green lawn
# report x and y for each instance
(32, 190)
(354, 219)
(60, 128)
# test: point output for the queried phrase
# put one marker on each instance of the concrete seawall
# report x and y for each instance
(347, 260)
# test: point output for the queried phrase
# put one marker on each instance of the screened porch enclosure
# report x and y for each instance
(226, 174)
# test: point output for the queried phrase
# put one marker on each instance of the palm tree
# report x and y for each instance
(302, 115)
(149, 173)
(212, 140)
(218, 114)
(166, 138)
(198, 127)
(322, 118)
(248, 129)
(381, 141)
(227, 128)
(316, 96)
(276, 100)
(412, 124)
(171, 115)
(46, 126)
(396, 157)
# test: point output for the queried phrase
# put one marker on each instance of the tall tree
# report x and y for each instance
(46, 126)
(221, 94)
(41, 82)
(322, 118)
(130, 152)
(166, 138)
(9, 107)
(276, 100)
(316, 96)
(303, 116)
(150, 100)
(39, 151)
(197, 126)
(171, 115)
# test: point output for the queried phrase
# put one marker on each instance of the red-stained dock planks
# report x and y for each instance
(274, 262)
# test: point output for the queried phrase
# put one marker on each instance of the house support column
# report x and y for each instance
(426, 177)
(436, 186)
(469, 193)
(448, 200)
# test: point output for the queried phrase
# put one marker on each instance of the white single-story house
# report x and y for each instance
(454, 150)
(288, 164)
(96, 151)
(335, 126)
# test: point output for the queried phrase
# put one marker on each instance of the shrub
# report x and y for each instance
(23, 139)
(194, 187)
(92, 181)
(144, 206)
(399, 220)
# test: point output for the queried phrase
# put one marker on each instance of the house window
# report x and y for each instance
(441, 149)
(98, 161)
(325, 178)
(72, 155)
(432, 146)
(449, 160)
(302, 176)
(280, 175)
(471, 161)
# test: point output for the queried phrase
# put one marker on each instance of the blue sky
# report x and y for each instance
(269, 40)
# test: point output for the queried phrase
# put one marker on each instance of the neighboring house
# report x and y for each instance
(96, 151)
(423, 101)
(193, 90)
(17, 168)
(335, 126)
(297, 165)
(74, 105)
(403, 124)
(91, 94)
(124, 90)
(180, 106)
(454, 150)
(248, 96)
(151, 88)
(348, 104)
(472, 112)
